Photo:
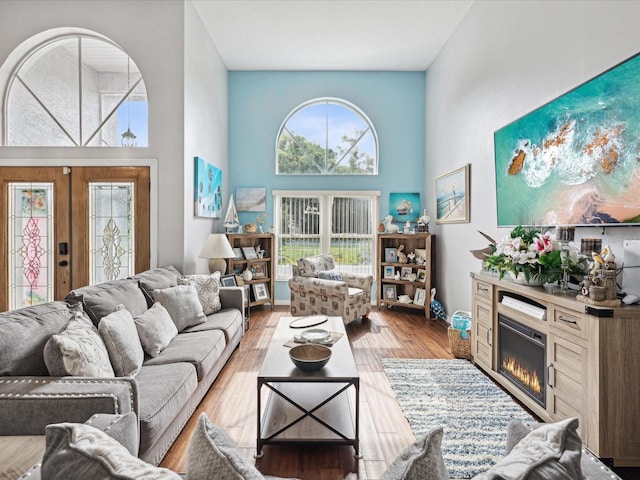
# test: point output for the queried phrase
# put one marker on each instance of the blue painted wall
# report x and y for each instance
(260, 101)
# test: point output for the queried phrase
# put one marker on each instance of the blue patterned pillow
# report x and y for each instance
(330, 276)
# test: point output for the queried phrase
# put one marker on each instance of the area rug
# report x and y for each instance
(454, 394)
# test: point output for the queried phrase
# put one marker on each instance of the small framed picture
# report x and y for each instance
(249, 253)
(421, 295)
(405, 272)
(389, 292)
(259, 270)
(238, 252)
(260, 291)
(422, 276)
(228, 281)
(389, 271)
(390, 255)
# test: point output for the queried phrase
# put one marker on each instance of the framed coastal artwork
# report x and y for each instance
(404, 206)
(452, 196)
(574, 160)
(251, 199)
(207, 189)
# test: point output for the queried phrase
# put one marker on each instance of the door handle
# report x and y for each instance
(63, 263)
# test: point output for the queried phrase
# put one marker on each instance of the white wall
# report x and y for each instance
(506, 59)
(205, 129)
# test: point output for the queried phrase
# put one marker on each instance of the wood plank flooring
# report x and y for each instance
(384, 431)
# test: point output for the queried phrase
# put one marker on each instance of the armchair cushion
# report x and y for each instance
(329, 275)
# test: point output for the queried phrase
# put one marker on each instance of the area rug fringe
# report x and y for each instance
(456, 395)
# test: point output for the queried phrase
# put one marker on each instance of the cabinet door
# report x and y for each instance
(482, 334)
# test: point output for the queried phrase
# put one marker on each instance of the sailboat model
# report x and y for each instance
(231, 221)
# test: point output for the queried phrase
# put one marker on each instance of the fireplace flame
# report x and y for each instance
(529, 379)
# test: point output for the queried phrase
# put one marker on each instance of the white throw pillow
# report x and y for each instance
(78, 350)
(155, 329)
(183, 305)
(119, 333)
(208, 288)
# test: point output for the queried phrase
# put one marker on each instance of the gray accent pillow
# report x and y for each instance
(183, 305)
(78, 451)
(329, 275)
(155, 329)
(78, 350)
(118, 330)
(421, 460)
(549, 452)
(161, 277)
(208, 288)
(212, 453)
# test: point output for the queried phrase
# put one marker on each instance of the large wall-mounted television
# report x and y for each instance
(575, 160)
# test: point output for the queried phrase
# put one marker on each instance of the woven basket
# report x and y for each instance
(460, 347)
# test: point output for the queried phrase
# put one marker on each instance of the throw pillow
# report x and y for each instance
(208, 288)
(421, 460)
(78, 451)
(78, 350)
(550, 452)
(183, 305)
(155, 329)
(119, 333)
(212, 453)
(330, 276)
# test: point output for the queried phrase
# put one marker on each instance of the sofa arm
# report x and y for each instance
(29, 404)
(232, 297)
(358, 280)
(318, 286)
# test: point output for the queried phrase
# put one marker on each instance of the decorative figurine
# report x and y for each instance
(390, 227)
(402, 257)
(407, 227)
(260, 220)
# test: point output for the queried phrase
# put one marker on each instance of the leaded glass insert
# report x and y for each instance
(111, 231)
(31, 262)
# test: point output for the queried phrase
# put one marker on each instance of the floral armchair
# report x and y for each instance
(318, 289)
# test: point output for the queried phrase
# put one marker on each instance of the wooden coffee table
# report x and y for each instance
(309, 407)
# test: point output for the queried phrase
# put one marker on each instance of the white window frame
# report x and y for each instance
(325, 197)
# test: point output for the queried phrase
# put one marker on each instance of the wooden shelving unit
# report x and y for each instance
(265, 264)
(411, 242)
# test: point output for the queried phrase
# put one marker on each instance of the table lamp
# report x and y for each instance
(216, 249)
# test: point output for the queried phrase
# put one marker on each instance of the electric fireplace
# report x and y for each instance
(522, 353)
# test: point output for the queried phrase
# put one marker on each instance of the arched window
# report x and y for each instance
(76, 90)
(327, 136)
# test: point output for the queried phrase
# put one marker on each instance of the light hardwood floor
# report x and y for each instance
(384, 431)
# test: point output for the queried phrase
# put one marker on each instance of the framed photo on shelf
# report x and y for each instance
(228, 281)
(389, 292)
(421, 295)
(390, 255)
(389, 271)
(249, 253)
(422, 276)
(238, 252)
(260, 291)
(405, 272)
(259, 270)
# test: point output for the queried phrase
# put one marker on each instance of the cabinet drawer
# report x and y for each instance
(569, 321)
(483, 290)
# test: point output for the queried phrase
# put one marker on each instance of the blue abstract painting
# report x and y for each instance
(207, 189)
(575, 160)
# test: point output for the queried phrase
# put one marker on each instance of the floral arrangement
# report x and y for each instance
(538, 256)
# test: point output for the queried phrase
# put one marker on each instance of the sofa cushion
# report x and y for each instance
(118, 331)
(421, 460)
(157, 278)
(228, 320)
(155, 329)
(23, 335)
(201, 349)
(310, 266)
(550, 452)
(183, 305)
(213, 454)
(208, 288)
(79, 451)
(164, 390)
(102, 299)
(78, 350)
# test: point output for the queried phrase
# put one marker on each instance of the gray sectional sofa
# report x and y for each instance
(163, 394)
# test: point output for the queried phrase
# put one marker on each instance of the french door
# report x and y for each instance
(62, 228)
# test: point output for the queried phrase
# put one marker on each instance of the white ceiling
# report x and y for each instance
(401, 35)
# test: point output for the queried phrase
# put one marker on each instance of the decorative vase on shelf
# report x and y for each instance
(522, 280)
(247, 275)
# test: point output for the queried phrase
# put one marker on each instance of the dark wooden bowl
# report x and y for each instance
(310, 356)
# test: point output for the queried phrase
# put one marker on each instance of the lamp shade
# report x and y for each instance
(216, 248)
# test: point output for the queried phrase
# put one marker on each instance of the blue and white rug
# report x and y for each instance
(456, 395)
